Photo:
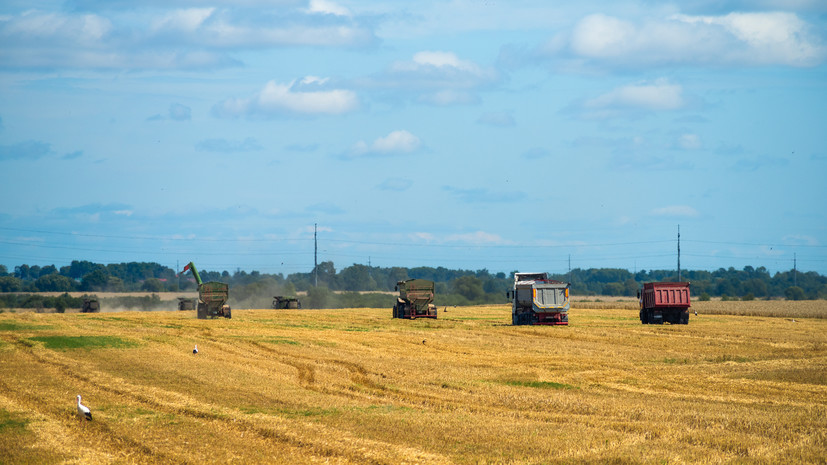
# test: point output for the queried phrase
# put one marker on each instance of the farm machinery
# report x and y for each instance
(212, 297)
(90, 305)
(185, 303)
(661, 302)
(538, 300)
(281, 301)
(416, 299)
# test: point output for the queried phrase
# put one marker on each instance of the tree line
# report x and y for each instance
(329, 287)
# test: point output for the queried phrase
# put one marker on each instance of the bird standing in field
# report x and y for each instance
(83, 411)
(195, 350)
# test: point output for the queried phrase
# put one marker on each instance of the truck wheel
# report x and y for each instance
(643, 318)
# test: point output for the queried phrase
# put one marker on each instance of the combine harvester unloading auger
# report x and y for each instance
(212, 297)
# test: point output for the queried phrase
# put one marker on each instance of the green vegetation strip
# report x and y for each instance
(539, 384)
(83, 342)
(15, 326)
(11, 423)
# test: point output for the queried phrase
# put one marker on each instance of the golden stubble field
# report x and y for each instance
(356, 386)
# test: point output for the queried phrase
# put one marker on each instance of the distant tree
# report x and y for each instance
(54, 283)
(152, 285)
(10, 284)
(4, 271)
(704, 297)
(319, 297)
(97, 280)
(469, 287)
(47, 270)
(357, 278)
(794, 293)
(748, 296)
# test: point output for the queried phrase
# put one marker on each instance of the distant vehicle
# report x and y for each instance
(661, 302)
(90, 305)
(212, 297)
(538, 300)
(416, 299)
(185, 303)
(281, 301)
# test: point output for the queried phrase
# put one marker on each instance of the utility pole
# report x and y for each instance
(679, 253)
(315, 257)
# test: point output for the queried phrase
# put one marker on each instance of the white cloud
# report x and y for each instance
(474, 238)
(689, 142)
(140, 38)
(187, 20)
(396, 142)
(327, 7)
(436, 77)
(761, 38)
(676, 211)
(309, 96)
(657, 96)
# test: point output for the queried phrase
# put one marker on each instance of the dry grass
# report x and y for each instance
(356, 386)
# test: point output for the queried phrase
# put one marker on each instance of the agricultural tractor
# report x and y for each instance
(661, 302)
(538, 300)
(90, 305)
(416, 299)
(185, 303)
(280, 301)
(212, 297)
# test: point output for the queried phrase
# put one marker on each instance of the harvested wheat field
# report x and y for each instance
(356, 386)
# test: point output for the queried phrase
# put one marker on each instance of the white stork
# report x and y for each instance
(195, 350)
(83, 410)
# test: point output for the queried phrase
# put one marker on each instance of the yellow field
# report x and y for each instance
(356, 386)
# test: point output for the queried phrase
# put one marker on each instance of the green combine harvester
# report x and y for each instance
(416, 299)
(212, 297)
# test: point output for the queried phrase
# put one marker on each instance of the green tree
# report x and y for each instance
(10, 284)
(357, 278)
(469, 287)
(152, 285)
(54, 283)
(95, 281)
(794, 293)
(319, 297)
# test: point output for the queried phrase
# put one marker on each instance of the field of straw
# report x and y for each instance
(356, 386)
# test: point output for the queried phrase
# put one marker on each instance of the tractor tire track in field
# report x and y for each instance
(291, 432)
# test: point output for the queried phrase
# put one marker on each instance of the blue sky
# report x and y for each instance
(467, 134)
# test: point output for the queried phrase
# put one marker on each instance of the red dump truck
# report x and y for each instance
(661, 302)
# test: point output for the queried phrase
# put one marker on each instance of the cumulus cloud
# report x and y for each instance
(395, 143)
(435, 77)
(328, 8)
(308, 96)
(675, 211)
(183, 38)
(689, 142)
(739, 39)
(660, 95)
